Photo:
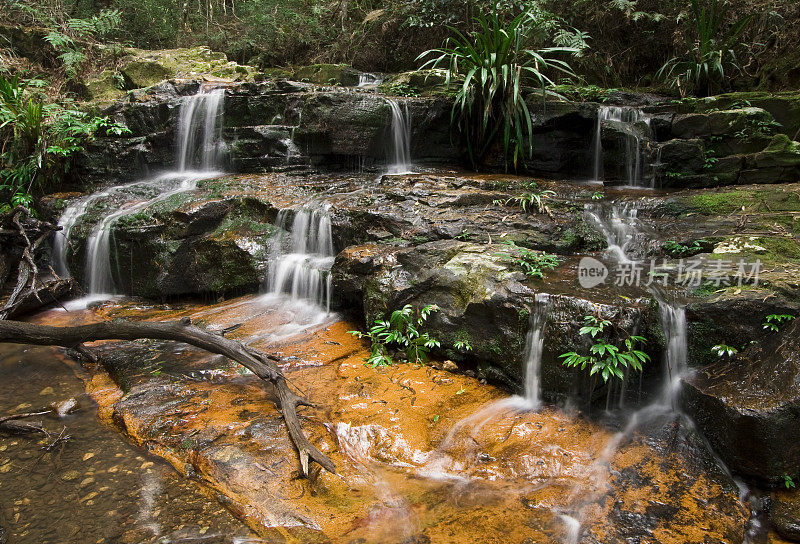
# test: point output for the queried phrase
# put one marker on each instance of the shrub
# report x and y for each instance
(497, 61)
(402, 331)
(711, 51)
(38, 140)
(604, 357)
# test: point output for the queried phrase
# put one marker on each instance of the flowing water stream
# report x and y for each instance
(303, 254)
(199, 153)
(637, 171)
(400, 148)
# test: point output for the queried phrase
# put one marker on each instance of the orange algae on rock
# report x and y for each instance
(423, 455)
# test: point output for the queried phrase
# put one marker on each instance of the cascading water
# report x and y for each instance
(673, 322)
(400, 149)
(304, 270)
(199, 145)
(534, 345)
(626, 119)
(369, 80)
(67, 221)
(201, 119)
(618, 225)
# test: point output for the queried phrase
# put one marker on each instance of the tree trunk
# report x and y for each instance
(263, 365)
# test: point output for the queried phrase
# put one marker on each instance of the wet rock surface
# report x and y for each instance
(279, 124)
(421, 454)
(748, 407)
(440, 237)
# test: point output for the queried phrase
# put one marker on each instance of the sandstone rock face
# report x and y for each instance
(748, 407)
(328, 74)
(279, 124)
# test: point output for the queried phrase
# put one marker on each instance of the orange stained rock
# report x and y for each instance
(423, 455)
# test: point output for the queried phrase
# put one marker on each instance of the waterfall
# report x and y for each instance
(626, 119)
(534, 345)
(400, 157)
(673, 322)
(67, 221)
(199, 144)
(304, 270)
(369, 80)
(199, 119)
(618, 225)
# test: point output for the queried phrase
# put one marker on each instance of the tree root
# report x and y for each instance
(263, 365)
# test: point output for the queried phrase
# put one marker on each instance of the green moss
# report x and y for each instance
(242, 223)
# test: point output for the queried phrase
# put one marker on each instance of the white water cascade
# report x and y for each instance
(303, 256)
(534, 345)
(626, 120)
(199, 145)
(673, 322)
(618, 223)
(368, 80)
(400, 148)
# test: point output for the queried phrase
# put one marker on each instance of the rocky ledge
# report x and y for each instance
(281, 124)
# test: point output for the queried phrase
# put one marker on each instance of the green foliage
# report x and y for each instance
(677, 250)
(711, 51)
(608, 359)
(402, 331)
(497, 61)
(70, 53)
(533, 200)
(788, 483)
(773, 322)
(399, 88)
(724, 350)
(533, 263)
(39, 139)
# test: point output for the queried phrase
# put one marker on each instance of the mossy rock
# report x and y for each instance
(107, 87)
(146, 68)
(719, 123)
(273, 73)
(145, 73)
(328, 74)
(416, 82)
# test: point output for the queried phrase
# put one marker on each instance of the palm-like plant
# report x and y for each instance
(497, 62)
(711, 51)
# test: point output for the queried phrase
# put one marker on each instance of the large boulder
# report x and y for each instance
(749, 406)
(485, 301)
(328, 74)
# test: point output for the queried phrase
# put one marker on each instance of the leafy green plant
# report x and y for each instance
(608, 359)
(676, 249)
(497, 61)
(724, 350)
(402, 331)
(38, 139)
(788, 482)
(533, 263)
(711, 51)
(401, 89)
(773, 322)
(71, 53)
(534, 200)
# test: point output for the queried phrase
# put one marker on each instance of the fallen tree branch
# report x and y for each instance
(263, 365)
(12, 425)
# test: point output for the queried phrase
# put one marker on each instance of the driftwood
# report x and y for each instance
(21, 236)
(12, 424)
(263, 365)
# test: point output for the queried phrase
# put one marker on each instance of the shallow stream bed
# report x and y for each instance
(95, 487)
